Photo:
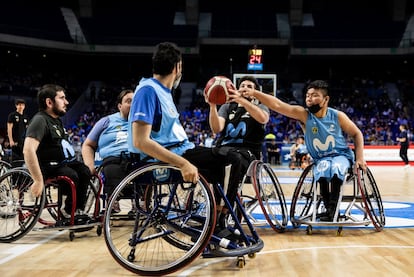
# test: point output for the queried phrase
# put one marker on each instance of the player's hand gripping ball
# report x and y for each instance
(216, 90)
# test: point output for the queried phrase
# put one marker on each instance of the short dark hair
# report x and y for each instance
(122, 94)
(165, 58)
(251, 79)
(47, 91)
(18, 101)
(319, 85)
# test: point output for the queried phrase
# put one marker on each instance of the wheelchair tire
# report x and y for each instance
(372, 198)
(170, 225)
(270, 196)
(19, 210)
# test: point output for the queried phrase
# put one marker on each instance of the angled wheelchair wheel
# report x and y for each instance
(270, 196)
(302, 199)
(19, 210)
(4, 167)
(164, 223)
(372, 198)
(93, 204)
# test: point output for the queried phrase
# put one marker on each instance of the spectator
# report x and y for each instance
(17, 123)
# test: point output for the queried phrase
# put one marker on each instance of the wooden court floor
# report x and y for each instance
(360, 251)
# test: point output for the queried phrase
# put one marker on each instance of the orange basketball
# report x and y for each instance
(216, 89)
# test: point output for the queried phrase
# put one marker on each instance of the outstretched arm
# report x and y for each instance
(275, 104)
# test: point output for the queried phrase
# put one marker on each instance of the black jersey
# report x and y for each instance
(20, 122)
(241, 130)
(54, 147)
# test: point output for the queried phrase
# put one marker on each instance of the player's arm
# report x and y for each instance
(216, 122)
(88, 154)
(32, 163)
(141, 139)
(254, 110)
(277, 105)
(349, 127)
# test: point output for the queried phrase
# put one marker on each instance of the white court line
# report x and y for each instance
(193, 269)
(18, 250)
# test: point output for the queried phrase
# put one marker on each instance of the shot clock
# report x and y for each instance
(255, 60)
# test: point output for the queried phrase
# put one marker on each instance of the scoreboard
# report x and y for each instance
(255, 60)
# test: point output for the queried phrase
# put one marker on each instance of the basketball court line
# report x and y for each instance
(19, 249)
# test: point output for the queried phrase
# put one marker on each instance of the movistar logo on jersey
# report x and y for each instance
(161, 174)
(324, 146)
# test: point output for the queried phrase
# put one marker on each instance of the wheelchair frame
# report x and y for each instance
(363, 204)
(268, 195)
(22, 210)
(173, 224)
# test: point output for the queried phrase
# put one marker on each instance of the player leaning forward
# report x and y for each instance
(324, 130)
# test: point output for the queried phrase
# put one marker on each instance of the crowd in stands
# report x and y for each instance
(366, 102)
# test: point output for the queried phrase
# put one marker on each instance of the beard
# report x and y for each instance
(58, 112)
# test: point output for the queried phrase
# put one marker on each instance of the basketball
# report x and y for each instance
(216, 89)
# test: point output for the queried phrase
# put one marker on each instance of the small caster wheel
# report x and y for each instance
(339, 232)
(251, 255)
(131, 256)
(241, 262)
(71, 235)
(99, 231)
(309, 230)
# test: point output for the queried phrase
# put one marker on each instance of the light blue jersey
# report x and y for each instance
(110, 133)
(327, 145)
(153, 104)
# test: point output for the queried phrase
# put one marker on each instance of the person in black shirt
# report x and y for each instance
(17, 122)
(47, 151)
(404, 144)
(240, 124)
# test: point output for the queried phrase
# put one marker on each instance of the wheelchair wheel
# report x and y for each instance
(270, 196)
(171, 223)
(19, 210)
(302, 198)
(372, 198)
(4, 167)
(93, 204)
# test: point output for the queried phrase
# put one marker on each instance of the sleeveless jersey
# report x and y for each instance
(324, 137)
(170, 133)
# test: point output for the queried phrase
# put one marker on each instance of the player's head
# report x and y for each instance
(249, 82)
(52, 97)
(166, 58)
(317, 96)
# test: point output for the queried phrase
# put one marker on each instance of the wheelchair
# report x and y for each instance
(20, 211)
(359, 202)
(173, 223)
(4, 167)
(268, 195)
